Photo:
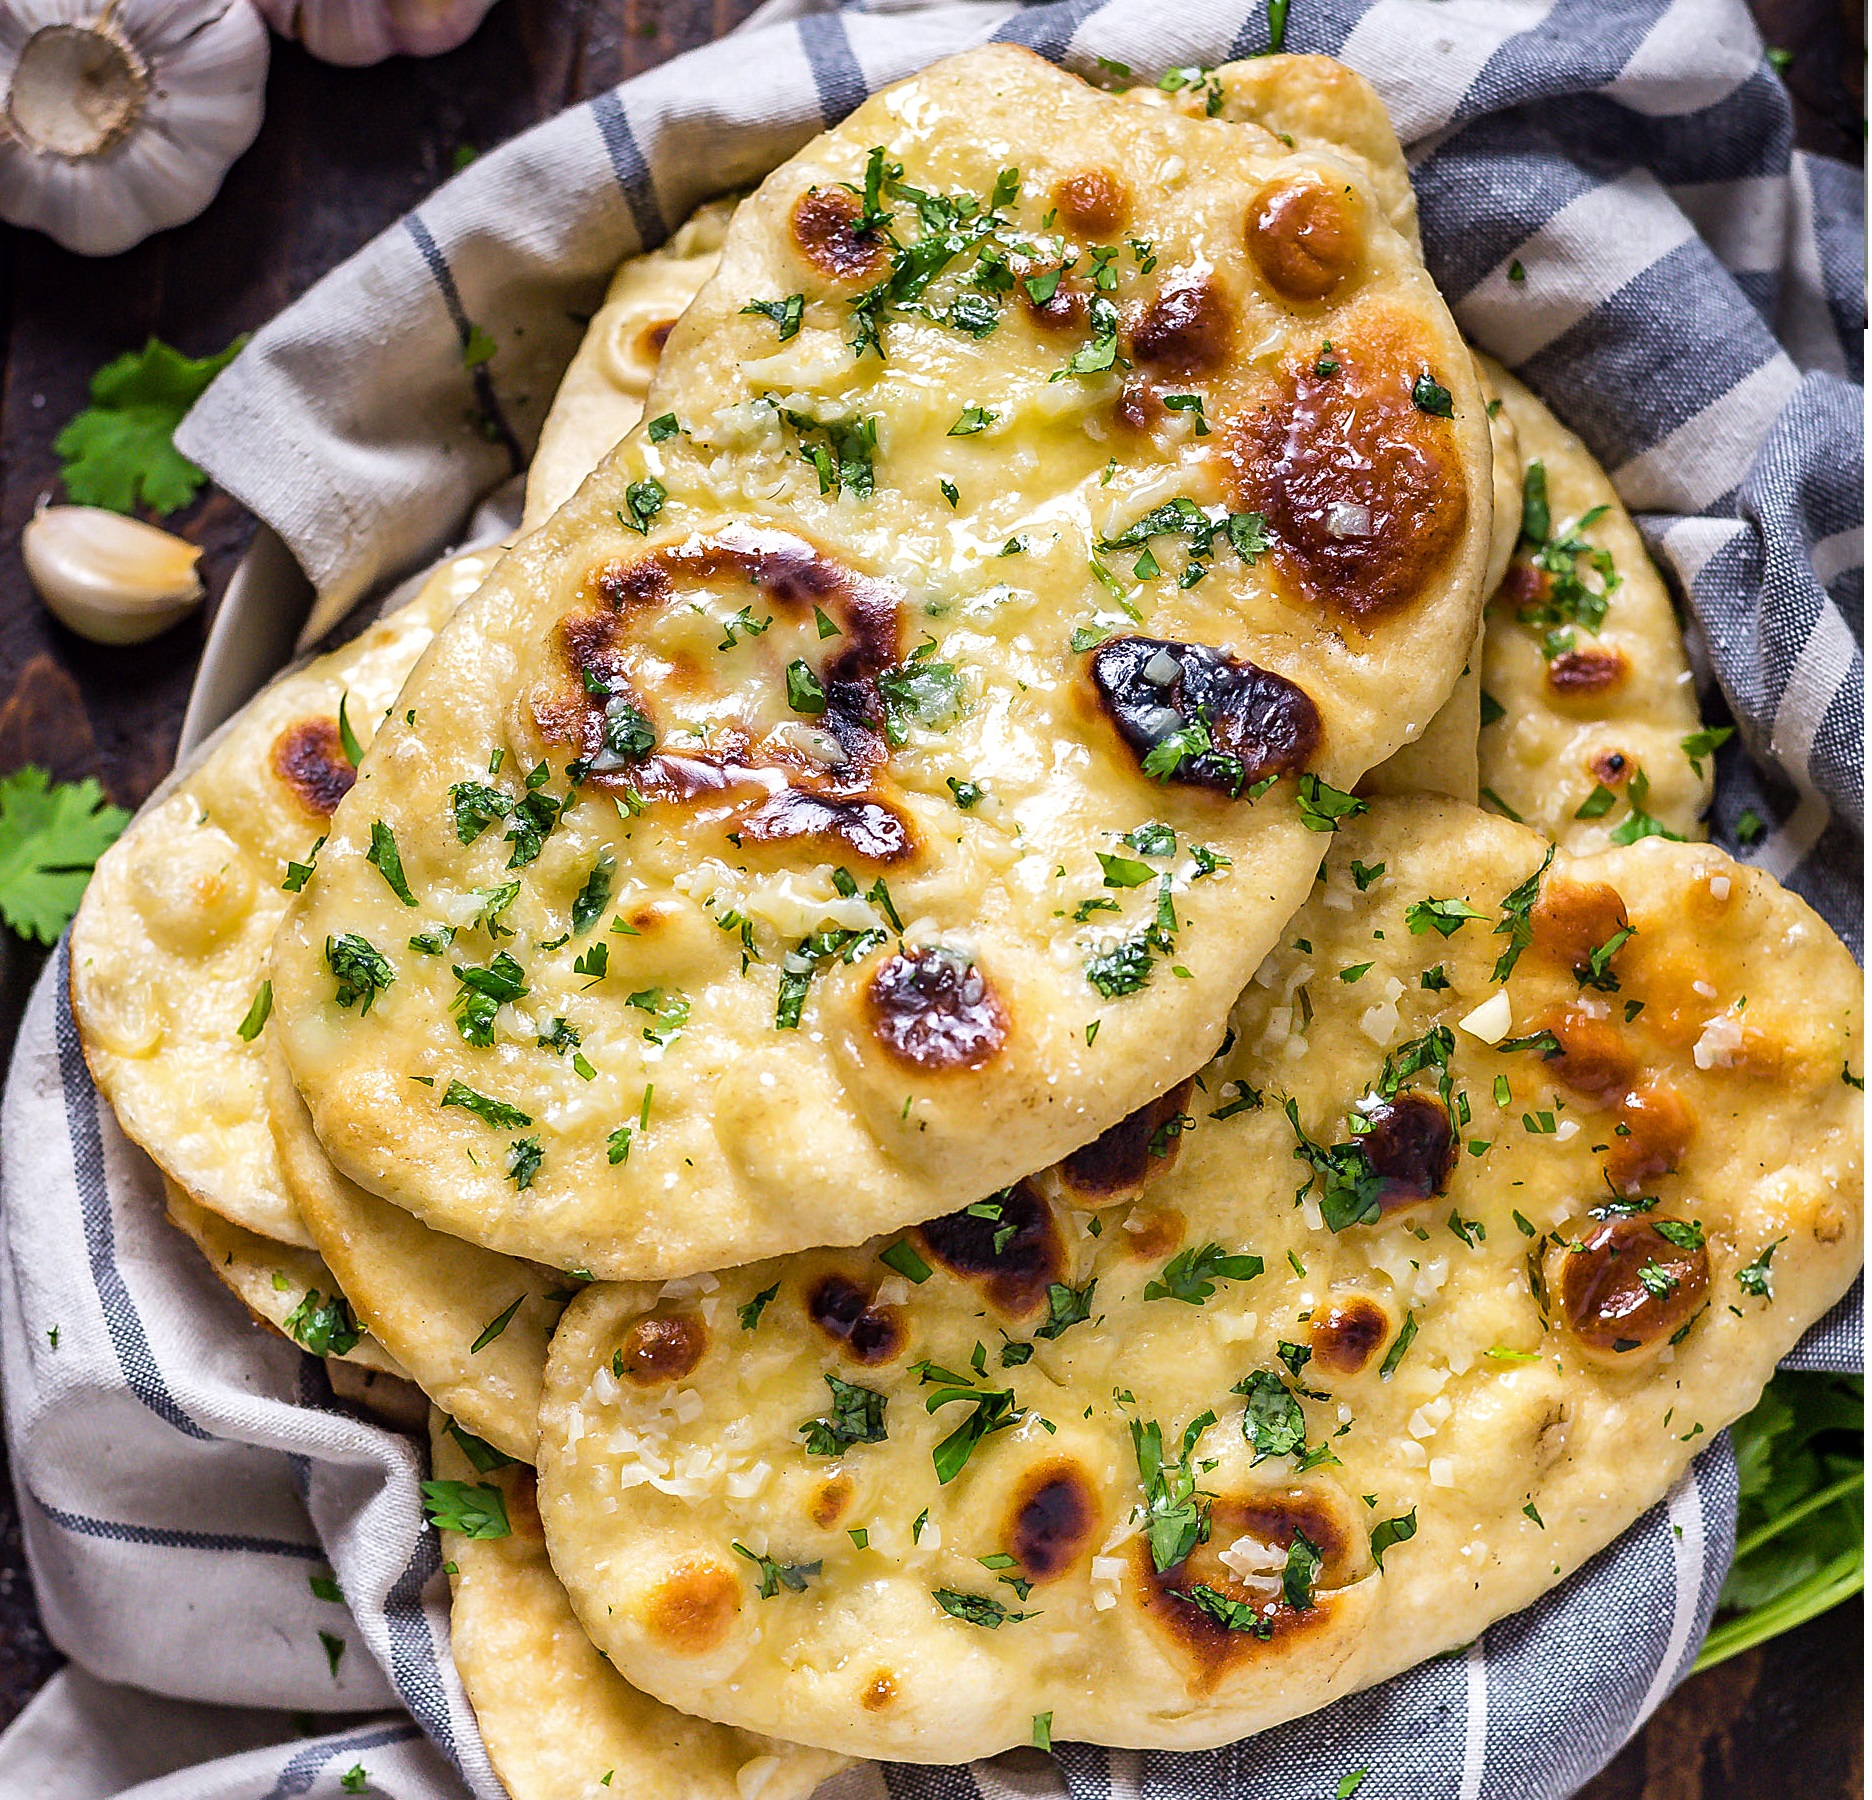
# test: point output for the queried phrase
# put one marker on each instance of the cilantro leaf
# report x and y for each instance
(976, 1609)
(1272, 1420)
(325, 1327)
(1191, 1275)
(857, 1417)
(474, 1509)
(777, 1575)
(118, 452)
(51, 834)
(1392, 1531)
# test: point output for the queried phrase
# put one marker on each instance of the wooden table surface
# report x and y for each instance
(343, 152)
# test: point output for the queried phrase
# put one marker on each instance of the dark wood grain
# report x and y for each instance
(341, 155)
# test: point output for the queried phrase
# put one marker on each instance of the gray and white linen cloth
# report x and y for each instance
(1690, 298)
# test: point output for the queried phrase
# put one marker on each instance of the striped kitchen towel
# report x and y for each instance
(1692, 305)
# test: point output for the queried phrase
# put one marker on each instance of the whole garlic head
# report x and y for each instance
(111, 579)
(120, 117)
(352, 33)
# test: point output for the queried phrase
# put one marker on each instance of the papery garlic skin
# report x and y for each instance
(120, 119)
(352, 33)
(111, 579)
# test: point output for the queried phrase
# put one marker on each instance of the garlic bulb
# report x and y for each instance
(121, 117)
(111, 579)
(352, 33)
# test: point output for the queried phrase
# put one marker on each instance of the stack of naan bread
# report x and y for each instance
(905, 1015)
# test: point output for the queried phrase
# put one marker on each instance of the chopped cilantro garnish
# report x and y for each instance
(1191, 1275)
(495, 1326)
(1323, 806)
(1445, 917)
(976, 1609)
(255, 1020)
(326, 1327)
(1429, 397)
(361, 971)
(643, 500)
(1272, 1420)
(1176, 1514)
(475, 1510)
(1395, 1354)
(777, 1575)
(1392, 1531)
(497, 1115)
(1706, 742)
(857, 1417)
(1755, 1278)
(786, 315)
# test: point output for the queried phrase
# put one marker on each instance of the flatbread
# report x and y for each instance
(602, 393)
(1444, 759)
(282, 1285)
(428, 1297)
(168, 950)
(1458, 1369)
(1602, 724)
(950, 1055)
(557, 1722)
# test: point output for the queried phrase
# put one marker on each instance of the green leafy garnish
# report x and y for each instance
(643, 500)
(1392, 1531)
(255, 1022)
(977, 1609)
(1428, 396)
(1348, 1185)
(1191, 1275)
(495, 1326)
(857, 1417)
(1323, 806)
(1176, 1514)
(473, 1509)
(1800, 1463)
(1445, 917)
(497, 1115)
(993, 1409)
(327, 1327)
(119, 452)
(750, 1314)
(786, 314)
(361, 971)
(1755, 1278)
(387, 860)
(1272, 1421)
(51, 835)
(777, 1575)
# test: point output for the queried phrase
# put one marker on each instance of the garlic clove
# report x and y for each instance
(111, 579)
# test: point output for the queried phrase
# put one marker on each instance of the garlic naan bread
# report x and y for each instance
(840, 914)
(1520, 1173)
(169, 948)
(557, 1722)
(469, 1326)
(1444, 760)
(283, 1286)
(602, 393)
(1590, 729)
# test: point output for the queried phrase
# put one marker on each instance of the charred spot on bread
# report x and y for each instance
(310, 759)
(660, 1349)
(1363, 491)
(732, 777)
(1654, 1133)
(848, 1314)
(1256, 723)
(691, 1610)
(1347, 1333)
(1010, 1243)
(1571, 919)
(1186, 330)
(1624, 1288)
(825, 230)
(1305, 234)
(1410, 1147)
(934, 1010)
(1593, 1060)
(1587, 674)
(1053, 1520)
(1094, 201)
(1117, 1163)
